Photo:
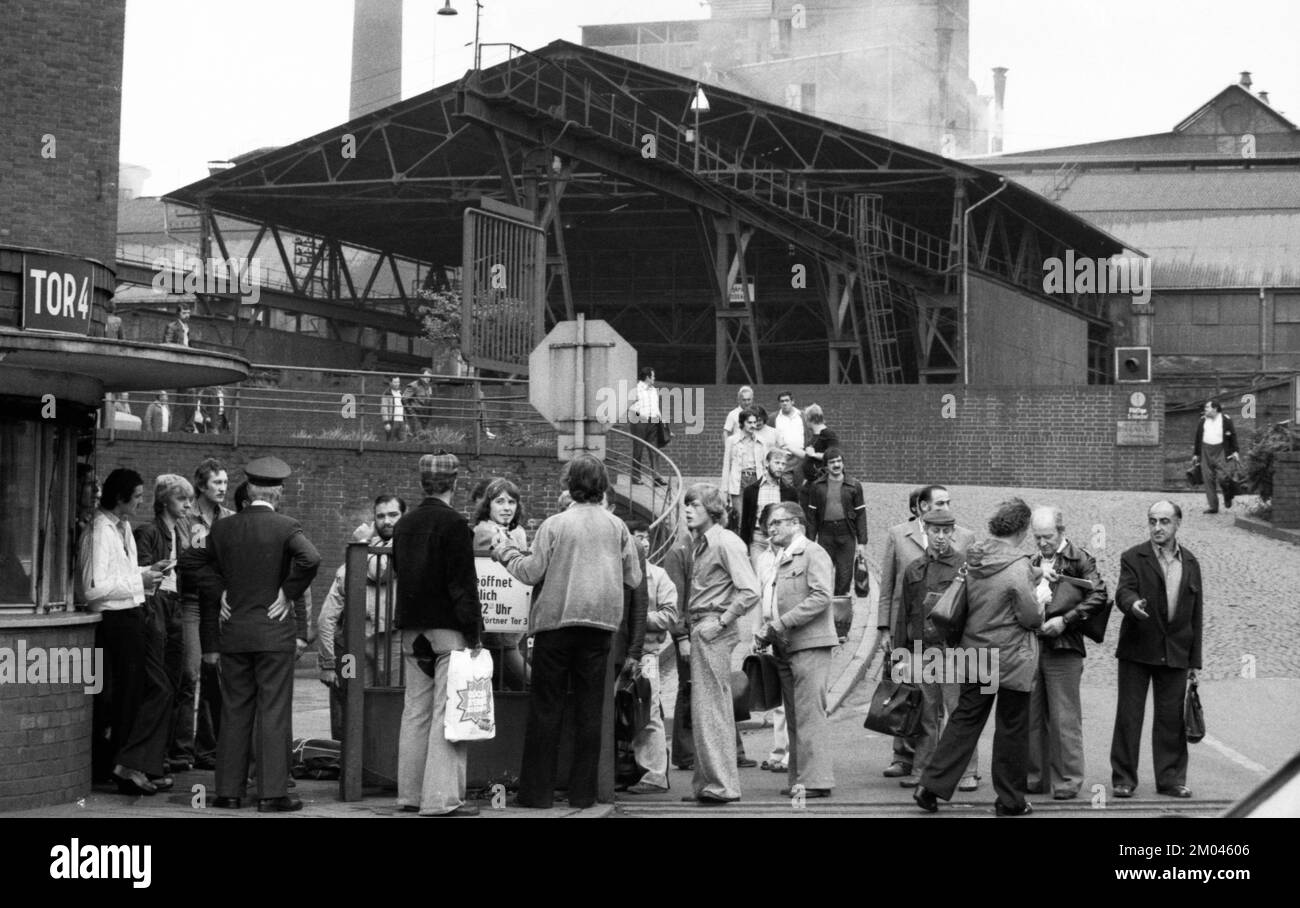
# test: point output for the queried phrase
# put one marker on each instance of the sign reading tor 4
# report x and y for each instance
(57, 293)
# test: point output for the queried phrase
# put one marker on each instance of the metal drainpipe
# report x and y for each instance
(965, 281)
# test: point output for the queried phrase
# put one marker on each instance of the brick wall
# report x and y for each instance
(1286, 490)
(978, 436)
(44, 728)
(333, 486)
(63, 78)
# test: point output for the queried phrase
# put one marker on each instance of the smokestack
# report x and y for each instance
(376, 55)
(1263, 96)
(1245, 79)
(999, 104)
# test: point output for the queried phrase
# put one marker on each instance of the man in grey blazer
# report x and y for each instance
(904, 543)
(802, 636)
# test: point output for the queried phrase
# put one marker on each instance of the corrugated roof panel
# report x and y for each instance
(1173, 190)
(1208, 250)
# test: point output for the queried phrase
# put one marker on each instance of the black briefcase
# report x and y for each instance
(895, 709)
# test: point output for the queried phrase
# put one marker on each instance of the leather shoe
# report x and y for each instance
(283, 804)
(134, 783)
(969, 783)
(162, 783)
(1064, 795)
(179, 765)
(909, 781)
(228, 803)
(1023, 811)
(1122, 791)
(925, 799)
(464, 810)
(1176, 791)
(897, 769)
(808, 793)
(705, 799)
(745, 763)
(1208, 511)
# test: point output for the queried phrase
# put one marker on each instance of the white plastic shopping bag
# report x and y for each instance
(471, 715)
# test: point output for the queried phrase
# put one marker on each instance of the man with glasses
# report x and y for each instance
(796, 592)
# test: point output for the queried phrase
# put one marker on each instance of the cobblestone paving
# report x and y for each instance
(1250, 618)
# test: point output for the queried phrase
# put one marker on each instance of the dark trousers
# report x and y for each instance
(140, 715)
(180, 744)
(647, 432)
(1168, 736)
(962, 735)
(576, 656)
(837, 538)
(258, 689)
(207, 726)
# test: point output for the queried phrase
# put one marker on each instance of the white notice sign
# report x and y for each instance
(505, 600)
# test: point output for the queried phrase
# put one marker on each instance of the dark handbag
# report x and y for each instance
(895, 707)
(947, 620)
(861, 576)
(764, 682)
(1193, 474)
(631, 706)
(739, 696)
(1193, 716)
(1069, 593)
(663, 434)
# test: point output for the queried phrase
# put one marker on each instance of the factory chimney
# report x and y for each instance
(999, 105)
(1245, 79)
(376, 55)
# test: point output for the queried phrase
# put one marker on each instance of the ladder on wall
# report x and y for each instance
(873, 285)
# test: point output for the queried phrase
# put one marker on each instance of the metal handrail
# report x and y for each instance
(666, 526)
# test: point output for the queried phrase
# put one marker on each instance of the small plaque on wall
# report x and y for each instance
(1137, 433)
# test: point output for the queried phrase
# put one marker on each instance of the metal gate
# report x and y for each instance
(503, 291)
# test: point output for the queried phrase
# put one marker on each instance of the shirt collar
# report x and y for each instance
(261, 504)
(1175, 552)
(796, 547)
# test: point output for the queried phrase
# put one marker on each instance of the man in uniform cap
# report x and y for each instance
(438, 611)
(256, 562)
(924, 581)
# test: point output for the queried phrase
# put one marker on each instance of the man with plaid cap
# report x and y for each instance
(438, 611)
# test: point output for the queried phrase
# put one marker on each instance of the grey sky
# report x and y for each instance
(206, 81)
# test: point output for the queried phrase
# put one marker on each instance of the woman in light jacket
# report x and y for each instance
(998, 643)
(499, 515)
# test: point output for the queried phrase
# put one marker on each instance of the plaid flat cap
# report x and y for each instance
(440, 464)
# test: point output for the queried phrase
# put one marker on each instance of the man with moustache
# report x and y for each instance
(1159, 593)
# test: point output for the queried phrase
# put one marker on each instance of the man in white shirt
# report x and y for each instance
(790, 436)
(1215, 438)
(645, 418)
(744, 401)
(115, 586)
(392, 410)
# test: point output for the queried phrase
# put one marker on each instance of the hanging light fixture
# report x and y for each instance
(448, 10)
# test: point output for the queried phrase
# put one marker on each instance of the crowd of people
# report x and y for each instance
(205, 610)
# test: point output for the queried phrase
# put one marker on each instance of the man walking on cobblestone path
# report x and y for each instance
(1215, 440)
(1159, 593)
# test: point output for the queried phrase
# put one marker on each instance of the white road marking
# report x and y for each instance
(1240, 759)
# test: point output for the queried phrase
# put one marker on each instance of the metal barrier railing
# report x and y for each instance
(455, 410)
(659, 493)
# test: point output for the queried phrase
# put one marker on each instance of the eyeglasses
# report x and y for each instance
(781, 520)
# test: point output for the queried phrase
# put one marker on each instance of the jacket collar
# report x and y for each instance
(794, 548)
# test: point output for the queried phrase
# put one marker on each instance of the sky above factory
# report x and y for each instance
(205, 81)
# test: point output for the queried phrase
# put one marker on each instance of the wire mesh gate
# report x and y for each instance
(503, 291)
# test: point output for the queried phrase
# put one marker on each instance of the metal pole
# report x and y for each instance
(482, 417)
(354, 621)
(580, 387)
(965, 282)
(235, 439)
(361, 419)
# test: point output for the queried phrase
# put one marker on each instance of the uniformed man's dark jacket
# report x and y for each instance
(930, 573)
(251, 557)
(1156, 640)
(437, 584)
(1073, 561)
